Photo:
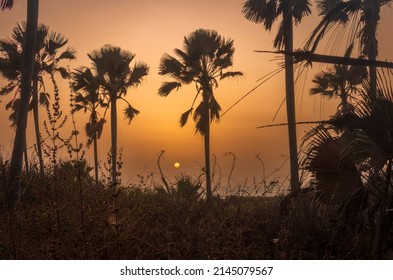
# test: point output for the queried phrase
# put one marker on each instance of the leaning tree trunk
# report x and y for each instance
(206, 139)
(290, 98)
(37, 123)
(113, 138)
(27, 73)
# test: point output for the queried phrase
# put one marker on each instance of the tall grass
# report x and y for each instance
(153, 223)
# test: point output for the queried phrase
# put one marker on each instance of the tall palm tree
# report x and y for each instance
(27, 74)
(86, 97)
(47, 58)
(116, 76)
(203, 61)
(266, 12)
(340, 12)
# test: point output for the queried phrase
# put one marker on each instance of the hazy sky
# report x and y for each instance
(151, 28)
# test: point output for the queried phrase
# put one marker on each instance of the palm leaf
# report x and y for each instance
(170, 66)
(130, 113)
(300, 9)
(333, 171)
(167, 87)
(95, 128)
(231, 74)
(215, 109)
(44, 99)
(201, 117)
(139, 71)
(63, 72)
(69, 53)
(54, 42)
(8, 88)
(6, 4)
(261, 11)
(184, 117)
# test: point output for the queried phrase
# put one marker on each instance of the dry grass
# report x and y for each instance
(153, 224)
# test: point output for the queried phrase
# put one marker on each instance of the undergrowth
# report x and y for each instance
(164, 223)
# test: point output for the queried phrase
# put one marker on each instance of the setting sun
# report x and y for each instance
(176, 165)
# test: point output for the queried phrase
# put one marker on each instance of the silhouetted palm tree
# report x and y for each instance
(352, 168)
(47, 58)
(27, 74)
(86, 97)
(116, 76)
(342, 81)
(340, 12)
(266, 12)
(203, 60)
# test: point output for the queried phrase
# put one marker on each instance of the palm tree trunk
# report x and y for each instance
(37, 123)
(114, 137)
(27, 73)
(95, 147)
(373, 69)
(26, 158)
(290, 98)
(206, 138)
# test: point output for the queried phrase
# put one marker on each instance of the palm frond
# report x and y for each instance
(333, 171)
(6, 4)
(8, 88)
(340, 13)
(54, 42)
(63, 72)
(69, 53)
(201, 117)
(300, 9)
(139, 71)
(261, 11)
(170, 66)
(214, 109)
(184, 117)
(130, 113)
(167, 87)
(44, 99)
(94, 128)
(231, 74)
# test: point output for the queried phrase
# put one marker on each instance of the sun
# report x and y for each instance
(176, 165)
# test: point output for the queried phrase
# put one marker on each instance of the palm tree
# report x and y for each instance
(342, 81)
(86, 97)
(340, 12)
(6, 4)
(203, 61)
(46, 61)
(266, 12)
(13, 118)
(27, 74)
(352, 168)
(112, 67)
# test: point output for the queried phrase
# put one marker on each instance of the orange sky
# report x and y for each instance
(149, 29)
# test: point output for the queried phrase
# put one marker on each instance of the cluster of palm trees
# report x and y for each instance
(204, 60)
(104, 85)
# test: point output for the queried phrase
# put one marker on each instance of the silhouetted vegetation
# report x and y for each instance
(156, 224)
(57, 210)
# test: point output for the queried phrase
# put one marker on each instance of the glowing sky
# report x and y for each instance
(151, 28)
